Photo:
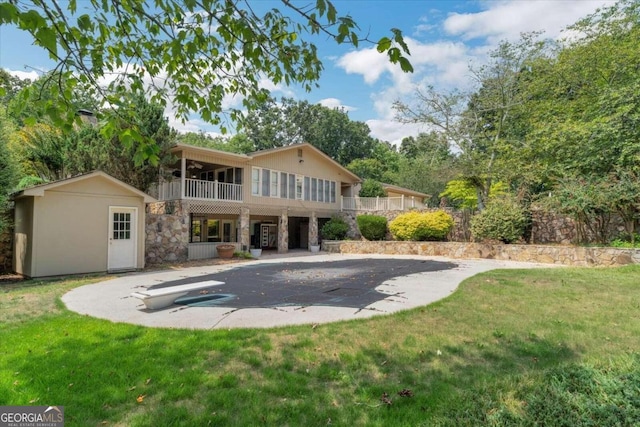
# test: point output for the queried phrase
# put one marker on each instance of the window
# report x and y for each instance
(326, 192)
(238, 176)
(333, 191)
(121, 226)
(307, 189)
(292, 186)
(321, 190)
(266, 173)
(299, 187)
(314, 189)
(213, 229)
(283, 185)
(274, 184)
(255, 181)
(196, 228)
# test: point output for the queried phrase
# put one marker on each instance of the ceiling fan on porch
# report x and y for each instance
(194, 165)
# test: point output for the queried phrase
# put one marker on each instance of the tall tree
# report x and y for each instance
(477, 123)
(8, 169)
(276, 124)
(191, 53)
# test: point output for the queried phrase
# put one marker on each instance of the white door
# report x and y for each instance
(123, 223)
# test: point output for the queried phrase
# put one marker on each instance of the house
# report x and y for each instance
(88, 223)
(271, 199)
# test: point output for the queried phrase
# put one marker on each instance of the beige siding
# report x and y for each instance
(71, 227)
(312, 165)
(23, 234)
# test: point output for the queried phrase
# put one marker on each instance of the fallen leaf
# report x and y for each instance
(385, 399)
(140, 398)
(131, 388)
(147, 381)
(405, 392)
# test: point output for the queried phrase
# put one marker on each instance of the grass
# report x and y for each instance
(526, 347)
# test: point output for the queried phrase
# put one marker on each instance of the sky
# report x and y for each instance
(445, 38)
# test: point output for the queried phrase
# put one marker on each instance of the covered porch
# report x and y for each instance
(202, 174)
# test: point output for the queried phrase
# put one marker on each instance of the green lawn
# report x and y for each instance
(513, 347)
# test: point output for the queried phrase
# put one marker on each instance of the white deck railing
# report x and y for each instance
(199, 189)
(380, 203)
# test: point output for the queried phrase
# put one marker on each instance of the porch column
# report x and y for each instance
(245, 232)
(183, 175)
(283, 232)
(313, 229)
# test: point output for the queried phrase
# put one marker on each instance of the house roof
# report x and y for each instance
(312, 148)
(403, 190)
(38, 190)
(208, 151)
(261, 153)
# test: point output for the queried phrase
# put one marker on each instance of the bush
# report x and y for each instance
(334, 229)
(372, 227)
(503, 219)
(421, 226)
(371, 188)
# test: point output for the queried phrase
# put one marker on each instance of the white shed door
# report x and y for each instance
(123, 223)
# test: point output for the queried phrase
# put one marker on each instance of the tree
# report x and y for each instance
(371, 188)
(8, 170)
(276, 124)
(478, 123)
(190, 53)
(48, 154)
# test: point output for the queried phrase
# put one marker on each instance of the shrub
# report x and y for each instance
(372, 227)
(371, 188)
(421, 226)
(503, 219)
(334, 229)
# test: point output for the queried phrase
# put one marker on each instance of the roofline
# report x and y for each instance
(313, 148)
(405, 190)
(204, 150)
(38, 190)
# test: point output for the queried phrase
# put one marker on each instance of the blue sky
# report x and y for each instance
(444, 38)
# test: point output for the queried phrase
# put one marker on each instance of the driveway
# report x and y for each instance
(278, 291)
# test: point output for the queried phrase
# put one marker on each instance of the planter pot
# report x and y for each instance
(225, 251)
(256, 253)
(314, 248)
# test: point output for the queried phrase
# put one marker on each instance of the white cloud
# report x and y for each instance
(335, 103)
(30, 75)
(367, 62)
(507, 19)
(392, 131)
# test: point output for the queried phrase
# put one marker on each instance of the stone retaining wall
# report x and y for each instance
(565, 255)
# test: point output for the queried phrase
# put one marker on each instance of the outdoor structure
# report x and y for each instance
(270, 199)
(88, 223)
(398, 199)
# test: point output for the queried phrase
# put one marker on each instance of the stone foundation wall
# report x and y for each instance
(167, 232)
(564, 255)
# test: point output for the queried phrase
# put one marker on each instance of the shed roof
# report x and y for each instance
(38, 190)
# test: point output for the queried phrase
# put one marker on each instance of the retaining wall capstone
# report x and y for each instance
(564, 255)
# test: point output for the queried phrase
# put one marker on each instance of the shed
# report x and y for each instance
(85, 224)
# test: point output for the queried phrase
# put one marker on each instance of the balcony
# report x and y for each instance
(197, 189)
(369, 204)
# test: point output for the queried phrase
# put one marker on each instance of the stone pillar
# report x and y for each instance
(283, 232)
(313, 228)
(245, 231)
